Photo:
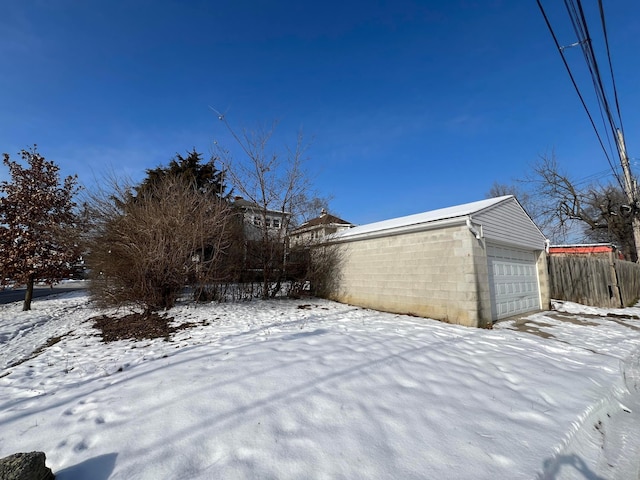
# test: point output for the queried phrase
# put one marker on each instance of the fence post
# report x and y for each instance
(615, 285)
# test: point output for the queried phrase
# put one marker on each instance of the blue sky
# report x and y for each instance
(410, 105)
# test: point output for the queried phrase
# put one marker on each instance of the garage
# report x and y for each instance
(469, 264)
(513, 281)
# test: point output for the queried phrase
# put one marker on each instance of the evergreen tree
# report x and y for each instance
(38, 236)
(151, 240)
(146, 249)
(204, 177)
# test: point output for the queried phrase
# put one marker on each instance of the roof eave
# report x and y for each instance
(347, 236)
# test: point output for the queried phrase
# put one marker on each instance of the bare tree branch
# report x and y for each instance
(273, 181)
(145, 249)
(567, 210)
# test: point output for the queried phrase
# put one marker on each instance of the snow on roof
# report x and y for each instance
(422, 218)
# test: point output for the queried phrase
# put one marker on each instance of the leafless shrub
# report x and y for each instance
(146, 249)
(314, 270)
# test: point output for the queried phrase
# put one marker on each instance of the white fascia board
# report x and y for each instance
(400, 230)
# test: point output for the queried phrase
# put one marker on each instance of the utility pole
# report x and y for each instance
(631, 191)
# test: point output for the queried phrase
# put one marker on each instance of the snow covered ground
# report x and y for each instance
(314, 389)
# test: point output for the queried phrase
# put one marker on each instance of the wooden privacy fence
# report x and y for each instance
(595, 281)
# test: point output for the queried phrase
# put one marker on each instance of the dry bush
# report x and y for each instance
(146, 249)
(315, 270)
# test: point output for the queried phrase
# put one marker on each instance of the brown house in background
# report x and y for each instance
(318, 228)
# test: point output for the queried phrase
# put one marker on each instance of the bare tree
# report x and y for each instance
(272, 181)
(38, 234)
(612, 219)
(566, 209)
(145, 249)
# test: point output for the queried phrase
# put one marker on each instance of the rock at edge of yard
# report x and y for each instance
(25, 466)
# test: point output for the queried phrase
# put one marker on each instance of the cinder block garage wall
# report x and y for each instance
(481, 267)
(544, 283)
(439, 273)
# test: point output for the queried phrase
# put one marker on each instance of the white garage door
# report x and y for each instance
(513, 280)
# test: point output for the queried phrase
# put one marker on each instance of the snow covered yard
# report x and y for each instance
(315, 389)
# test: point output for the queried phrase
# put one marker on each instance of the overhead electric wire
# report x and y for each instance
(594, 70)
(576, 14)
(575, 85)
(582, 31)
(593, 176)
(613, 81)
(598, 84)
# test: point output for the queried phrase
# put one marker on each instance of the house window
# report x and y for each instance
(276, 223)
(256, 221)
(267, 222)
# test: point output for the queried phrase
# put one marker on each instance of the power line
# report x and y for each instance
(594, 70)
(593, 176)
(576, 14)
(578, 21)
(613, 81)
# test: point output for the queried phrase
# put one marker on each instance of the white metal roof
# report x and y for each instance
(422, 218)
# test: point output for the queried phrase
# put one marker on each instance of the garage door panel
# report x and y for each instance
(513, 279)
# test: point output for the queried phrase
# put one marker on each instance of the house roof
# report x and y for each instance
(582, 248)
(400, 223)
(325, 219)
(241, 202)
(249, 205)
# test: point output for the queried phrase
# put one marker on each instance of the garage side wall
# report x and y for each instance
(429, 273)
(481, 266)
(508, 223)
(543, 280)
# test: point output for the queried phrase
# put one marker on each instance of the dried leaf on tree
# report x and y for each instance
(38, 223)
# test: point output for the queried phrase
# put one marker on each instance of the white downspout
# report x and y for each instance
(478, 234)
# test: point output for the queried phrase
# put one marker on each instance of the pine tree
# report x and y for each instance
(38, 235)
(204, 177)
(145, 250)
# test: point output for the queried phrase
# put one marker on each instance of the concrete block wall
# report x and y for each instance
(432, 273)
(481, 267)
(543, 281)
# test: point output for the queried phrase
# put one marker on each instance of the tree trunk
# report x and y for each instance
(28, 294)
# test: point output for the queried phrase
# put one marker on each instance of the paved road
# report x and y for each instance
(17, 294)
